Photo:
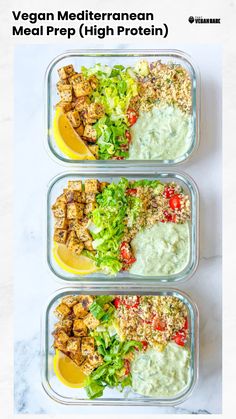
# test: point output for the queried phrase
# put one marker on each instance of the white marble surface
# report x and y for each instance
(34, 282)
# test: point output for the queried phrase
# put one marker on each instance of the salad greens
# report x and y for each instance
(116, 87)
(112, 372)
(109, 217)
(97, 308)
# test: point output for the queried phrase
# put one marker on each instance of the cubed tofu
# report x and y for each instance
(75, 185)
(95, 111)
(86, 301)
(73, 345)
(90, 197)
(72, 196)
(60, 346)
(82, 233)
(65, 324)
(61, 223)
(59, 209)
(75, 210)
(81, 103)
(60, 85)
(71, 236)
(66, 93)
(66, 71)
(82, 88)
(77, 358)
(62, 311)
(90, 321)
(103, 185)
(87, 346)
(90, 132)
(74, 118)
(79, 311)
(83, 197)
(75, 78)
(75, 246)
(61, 336)
(64, 106)
(86, 367)
(94, 150)
(93, 81)
(88, 245)
(95, 359)
(91, 185)
(80, 130)
(79, 328)
(90, 207)
(60, 235)
(70, 300)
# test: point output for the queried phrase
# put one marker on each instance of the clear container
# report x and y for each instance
(90, 57)
(56, 187)
(72, 396)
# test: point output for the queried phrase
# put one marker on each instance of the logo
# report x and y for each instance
(200, 19)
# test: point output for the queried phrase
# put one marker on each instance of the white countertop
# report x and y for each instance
(33, 280)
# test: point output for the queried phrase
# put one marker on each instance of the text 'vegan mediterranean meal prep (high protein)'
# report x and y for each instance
(141, 226)
(141, 343)
(140, 112)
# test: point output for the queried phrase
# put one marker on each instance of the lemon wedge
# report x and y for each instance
(67, 371)
(68, 261)
(67, 140)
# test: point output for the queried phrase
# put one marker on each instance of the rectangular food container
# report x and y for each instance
(56, 187)
(72, 396)
(91, 57)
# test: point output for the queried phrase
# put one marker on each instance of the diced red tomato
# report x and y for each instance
(132, 116)
(118, 158)
(117, 302)
(127, 367)
(145, 345)
(159, 324)
(128, 304)
(128, 136)
(131, 191)
(168, 192)
(168, 217)
(175, 202)
(180, 338)
(125, 251)
(186, 324)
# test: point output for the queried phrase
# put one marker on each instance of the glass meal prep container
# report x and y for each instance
(88, 58)
(77, 396)
(55, 189)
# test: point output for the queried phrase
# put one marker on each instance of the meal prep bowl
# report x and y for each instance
(91, 57)
(75, 396)
(56, 187)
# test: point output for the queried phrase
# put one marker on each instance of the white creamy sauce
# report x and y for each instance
(161, 134)
(162, 249)
(163, 373)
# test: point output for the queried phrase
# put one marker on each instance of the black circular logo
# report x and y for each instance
(191, 19)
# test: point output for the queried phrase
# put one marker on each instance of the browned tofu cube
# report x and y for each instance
(91, 185)
(79, 311)
(82, 88)
(75, 78)
(77, 358)
(64, 106)
(66, 93)
(82, 233)
(79, 328)
(86, 301)
(86, 367)
(88, 245)
(83, 197)
(95, 111)
(90, 132)
(60, 199)
(59, 209)
(80, 130)
(75, 246)
(93, 81)
(61, 336)
(62, 311)
(70, 300)
(66, 71)
(72, 196)
(75, 185)
(60, 235)
(91, 321)
(65, 324)
(75, 210)
(90, 207)
(87, 346)
(94, 150)
(90, 197)
(73, 345)
(95, 359)
(61, 223)
(60, 85)
(103, 185)
(74, 118)
(81, 103)
(71, 235)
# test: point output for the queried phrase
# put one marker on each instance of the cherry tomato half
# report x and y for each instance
(117, 302)
(145, 345)
(175, 202)
(132, 116)
(180, 338)
(131, 191)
